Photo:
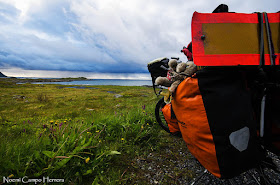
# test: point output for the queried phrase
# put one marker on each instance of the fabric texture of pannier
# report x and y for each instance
(215, 116)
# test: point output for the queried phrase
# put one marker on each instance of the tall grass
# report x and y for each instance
(85, 136)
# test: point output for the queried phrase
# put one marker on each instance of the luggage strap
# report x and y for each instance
(270, 42)
(272, 55)
(262, 61)
(154, 87)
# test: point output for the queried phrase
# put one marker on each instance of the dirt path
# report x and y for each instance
(173, 164)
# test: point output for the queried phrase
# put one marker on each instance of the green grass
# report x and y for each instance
(86, 136)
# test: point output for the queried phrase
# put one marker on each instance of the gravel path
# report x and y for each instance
(173, 164)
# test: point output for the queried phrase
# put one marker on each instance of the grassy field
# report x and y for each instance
(83, 135)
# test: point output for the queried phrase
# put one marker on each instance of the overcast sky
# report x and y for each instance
(100, 36)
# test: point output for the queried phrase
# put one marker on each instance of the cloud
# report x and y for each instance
(116, 36)
(18, 72)
(7, 13)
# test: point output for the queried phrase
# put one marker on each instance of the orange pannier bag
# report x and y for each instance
(193, 124)
(216, 120)
(172, 122)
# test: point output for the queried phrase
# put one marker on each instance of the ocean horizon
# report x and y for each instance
(117, 82)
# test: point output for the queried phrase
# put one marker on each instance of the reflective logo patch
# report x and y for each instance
(240, 138)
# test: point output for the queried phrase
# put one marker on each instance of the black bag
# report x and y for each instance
(227, 102)
(221, 8)
(158, 67)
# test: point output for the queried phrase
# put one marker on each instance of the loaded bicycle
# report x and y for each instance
(261, 173)
(228, 112)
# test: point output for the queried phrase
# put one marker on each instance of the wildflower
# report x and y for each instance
(88, 133)
(148, 124)
(97, 131)
(51, 121)
(10, 176)
(40, 135)
(55, 123)
(122, 139)
(100, 141)
(65, 121)
(142, 127)
(44, 126)
(87, 160)
(143, 107)
(24, 130)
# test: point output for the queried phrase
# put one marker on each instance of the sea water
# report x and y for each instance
(119, 82)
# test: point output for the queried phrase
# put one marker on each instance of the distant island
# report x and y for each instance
(54, 79)
(2, 75)
(31, 80)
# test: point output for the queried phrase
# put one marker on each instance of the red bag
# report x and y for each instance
(230, 39)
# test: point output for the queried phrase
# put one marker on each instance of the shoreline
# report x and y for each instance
(81, 81)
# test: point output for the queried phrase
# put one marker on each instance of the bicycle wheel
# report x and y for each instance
(159, 115)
